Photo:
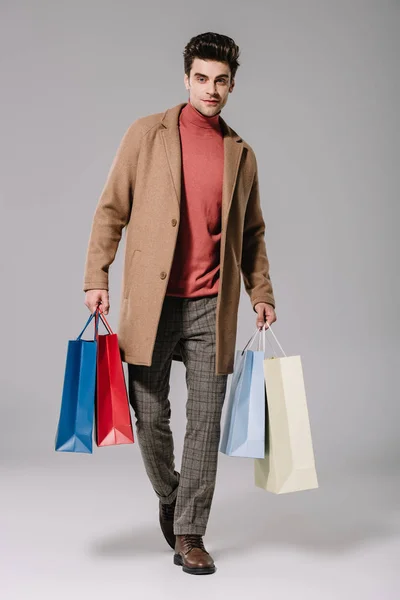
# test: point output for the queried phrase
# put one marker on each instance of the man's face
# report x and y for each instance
(209, 80)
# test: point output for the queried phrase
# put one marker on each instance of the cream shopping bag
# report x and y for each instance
(289, 464)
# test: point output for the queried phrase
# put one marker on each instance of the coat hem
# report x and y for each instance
(129, 359)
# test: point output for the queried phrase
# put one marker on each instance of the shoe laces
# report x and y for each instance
(191, 541)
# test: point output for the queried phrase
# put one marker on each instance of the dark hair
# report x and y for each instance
(211, 46)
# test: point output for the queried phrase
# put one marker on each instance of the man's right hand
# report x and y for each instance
(95, 297)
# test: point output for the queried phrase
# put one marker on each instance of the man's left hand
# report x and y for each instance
(265, 314)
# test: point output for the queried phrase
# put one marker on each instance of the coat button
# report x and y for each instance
(163, 274)
(174, 222)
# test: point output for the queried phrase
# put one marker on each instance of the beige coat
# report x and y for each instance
(142, 193)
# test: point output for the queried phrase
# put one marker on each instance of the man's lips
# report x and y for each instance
(211, 101)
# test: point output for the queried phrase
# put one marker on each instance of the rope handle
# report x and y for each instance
(96, 314)
(87, 323)
(100, 313)
(263, 339)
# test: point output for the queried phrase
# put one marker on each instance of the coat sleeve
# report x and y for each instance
(255, 263)
(113, 211)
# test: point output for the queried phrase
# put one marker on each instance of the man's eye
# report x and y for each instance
(223, 81)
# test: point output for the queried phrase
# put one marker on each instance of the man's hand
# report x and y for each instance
(265, 314)
(95, 297)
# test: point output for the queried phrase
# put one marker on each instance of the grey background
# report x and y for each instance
(317, 97)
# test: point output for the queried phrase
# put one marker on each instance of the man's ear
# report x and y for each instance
(186, 82)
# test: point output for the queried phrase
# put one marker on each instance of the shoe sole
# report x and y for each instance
(195, 570)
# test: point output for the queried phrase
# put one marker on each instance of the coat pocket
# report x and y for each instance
(130, 271)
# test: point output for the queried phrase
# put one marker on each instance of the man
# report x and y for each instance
(185, 186)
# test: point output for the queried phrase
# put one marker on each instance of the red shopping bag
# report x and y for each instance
(113, 423)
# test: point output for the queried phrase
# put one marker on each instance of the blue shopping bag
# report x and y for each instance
(244, 427)
(75, 425)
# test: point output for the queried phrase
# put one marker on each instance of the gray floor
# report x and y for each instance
(80, 527)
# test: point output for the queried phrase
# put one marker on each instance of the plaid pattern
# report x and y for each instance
(189, 322)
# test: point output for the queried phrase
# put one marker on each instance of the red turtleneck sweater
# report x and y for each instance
(195, 267)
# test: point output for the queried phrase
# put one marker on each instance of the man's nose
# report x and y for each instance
(212, 89)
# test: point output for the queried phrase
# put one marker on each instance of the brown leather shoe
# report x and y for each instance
(191, 555)
(166, 517)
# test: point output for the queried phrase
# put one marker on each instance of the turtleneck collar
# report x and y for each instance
(189, 114)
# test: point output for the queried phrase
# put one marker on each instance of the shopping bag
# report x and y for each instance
(244, 427)
(75, 424)
(113, 424)
(289, 464)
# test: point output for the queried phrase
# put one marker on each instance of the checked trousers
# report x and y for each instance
(189, 322)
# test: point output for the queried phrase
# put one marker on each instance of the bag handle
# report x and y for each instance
(263, 343)
(263, 339)
(105, 322)
(99, 315)
(96, 314)
(251, 340)
(270, 328)
(87, 323)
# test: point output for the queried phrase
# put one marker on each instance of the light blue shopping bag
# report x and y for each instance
(244, 428)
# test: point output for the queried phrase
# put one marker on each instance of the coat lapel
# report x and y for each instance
(172, 146)
(233, 149)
